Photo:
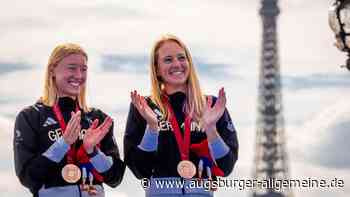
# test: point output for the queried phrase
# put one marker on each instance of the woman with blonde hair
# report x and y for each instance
(177, 133)
(61, 146)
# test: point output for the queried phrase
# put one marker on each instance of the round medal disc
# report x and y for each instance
(186, 169)
(71, 173)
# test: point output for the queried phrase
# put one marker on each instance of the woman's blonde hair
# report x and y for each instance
(194, 97)
(50, 94)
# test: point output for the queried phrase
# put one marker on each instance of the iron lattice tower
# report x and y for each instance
(270, 156)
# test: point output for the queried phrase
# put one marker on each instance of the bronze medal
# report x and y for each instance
(186, 169)
(71, 173)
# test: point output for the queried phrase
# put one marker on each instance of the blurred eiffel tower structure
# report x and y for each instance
(270, 157)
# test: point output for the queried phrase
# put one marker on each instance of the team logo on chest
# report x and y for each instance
(165, 125)
(54, 135)
(49, 121)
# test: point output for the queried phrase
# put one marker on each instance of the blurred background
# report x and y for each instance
(224, 38)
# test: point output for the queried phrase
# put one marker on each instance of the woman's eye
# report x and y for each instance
(181, 58)
(167, 60)
(71, 67)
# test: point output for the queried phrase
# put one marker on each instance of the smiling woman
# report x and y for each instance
(61, 146)
(177, 133)
(66, 75)
(70, 75)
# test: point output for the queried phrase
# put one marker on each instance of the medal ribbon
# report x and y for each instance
(81, 155)
(71, 156)
(84, 159)
(182, 143)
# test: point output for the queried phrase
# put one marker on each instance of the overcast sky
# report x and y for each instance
(224, 38)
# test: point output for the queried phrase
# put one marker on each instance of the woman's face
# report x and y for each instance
(173, 66)
(70, 75)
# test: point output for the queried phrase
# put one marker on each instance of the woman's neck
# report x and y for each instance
(170, 89)
(64, 95)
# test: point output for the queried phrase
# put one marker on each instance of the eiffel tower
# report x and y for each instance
(270, 157)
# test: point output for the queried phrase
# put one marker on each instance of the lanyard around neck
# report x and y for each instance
(182, 143)
(71, 155)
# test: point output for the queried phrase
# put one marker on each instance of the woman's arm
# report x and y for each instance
(140, 145)
(225, 147)
(106, 159)
(30, 165)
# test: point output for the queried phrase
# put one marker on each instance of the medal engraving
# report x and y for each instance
(186, 169)
(71, 173)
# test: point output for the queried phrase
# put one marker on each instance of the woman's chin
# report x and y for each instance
(72, 94)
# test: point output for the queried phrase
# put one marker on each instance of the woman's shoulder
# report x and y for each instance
(36, 108)
(93, 111)
(35, 113)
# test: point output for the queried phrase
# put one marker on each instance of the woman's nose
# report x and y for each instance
(79, 73)
(176, 62)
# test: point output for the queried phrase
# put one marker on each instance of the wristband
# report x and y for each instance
(93, 154)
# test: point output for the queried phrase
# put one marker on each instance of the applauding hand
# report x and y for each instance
(72, 131)
(211, 114)
(95, 134)
(145, 111)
